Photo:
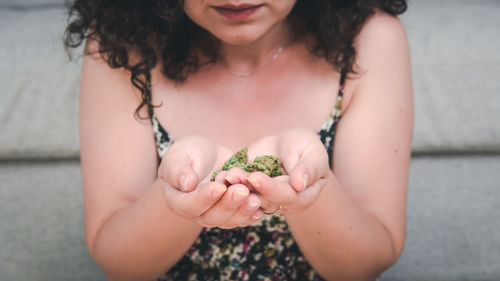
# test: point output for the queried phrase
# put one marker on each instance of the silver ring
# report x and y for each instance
(275, 212)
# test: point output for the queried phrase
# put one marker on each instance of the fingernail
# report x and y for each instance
(217, 192)
(257, 215)
(230, 179)
(305, 180)
(253, 181)
(239, 194)
(252, 204)
(184, 181)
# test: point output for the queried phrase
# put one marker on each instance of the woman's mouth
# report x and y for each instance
(237, 13)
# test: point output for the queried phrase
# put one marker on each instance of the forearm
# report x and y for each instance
(341, 240)
(143, 240)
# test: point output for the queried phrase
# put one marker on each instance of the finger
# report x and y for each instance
(311, 166)
(311, 193)
(189, 160)
(177, 169)
(193, 204)
(291, 145)
(236, 175)
(220, 212)
(248, 212)
(203, 154)
(256, 216)
(220, 177)
(275, 190)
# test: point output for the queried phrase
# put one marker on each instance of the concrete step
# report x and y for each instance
(30, 4)
(42, 230)
(39, 86)
(456, 65)
(452, 222)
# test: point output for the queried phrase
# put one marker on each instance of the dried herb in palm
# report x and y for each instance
(268, 164)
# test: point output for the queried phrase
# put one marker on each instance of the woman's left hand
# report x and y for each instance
(305, 161)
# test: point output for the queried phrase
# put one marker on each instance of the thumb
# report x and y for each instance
(312, 165)
(304, 157)
(186, 161)
(177, 171)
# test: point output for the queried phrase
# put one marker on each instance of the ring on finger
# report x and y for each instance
(275, 212)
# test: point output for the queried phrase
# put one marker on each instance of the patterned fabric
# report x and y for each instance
(262, 251)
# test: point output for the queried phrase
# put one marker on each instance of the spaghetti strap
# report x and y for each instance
(327, 132)
(343, 75)
(162, 139)
(149, 96)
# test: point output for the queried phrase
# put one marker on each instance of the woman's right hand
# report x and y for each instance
(186, 170)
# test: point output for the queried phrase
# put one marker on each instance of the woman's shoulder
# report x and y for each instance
(382, 24)
(105, 85)
(381, 35)
(380, 45)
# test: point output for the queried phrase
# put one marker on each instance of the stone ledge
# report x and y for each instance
(30, 4)
(42, 229)
(455, 69)
(452, 222)
(39, 105)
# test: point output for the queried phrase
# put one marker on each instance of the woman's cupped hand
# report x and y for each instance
(237, 198)
(186, 169)
(305, 162)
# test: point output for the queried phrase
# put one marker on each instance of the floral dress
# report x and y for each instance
(262, 251)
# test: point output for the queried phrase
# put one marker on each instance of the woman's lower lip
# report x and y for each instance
(240, 14)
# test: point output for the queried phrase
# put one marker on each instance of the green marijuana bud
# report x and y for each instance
(268, 164)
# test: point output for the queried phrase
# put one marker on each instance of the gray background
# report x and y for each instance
(454, 191)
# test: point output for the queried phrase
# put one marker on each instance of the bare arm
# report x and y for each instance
(129, 228)
(356, 228)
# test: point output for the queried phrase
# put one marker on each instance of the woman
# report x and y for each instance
(170, 89)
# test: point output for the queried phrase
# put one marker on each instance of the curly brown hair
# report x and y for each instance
(159, 30)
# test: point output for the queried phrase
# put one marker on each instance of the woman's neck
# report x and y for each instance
(242, 60)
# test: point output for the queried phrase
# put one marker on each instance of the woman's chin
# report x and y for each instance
(238, 40)
(239, 37)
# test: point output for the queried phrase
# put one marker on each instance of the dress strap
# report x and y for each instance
(340, 94)
(149, 95)
(343, 75)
